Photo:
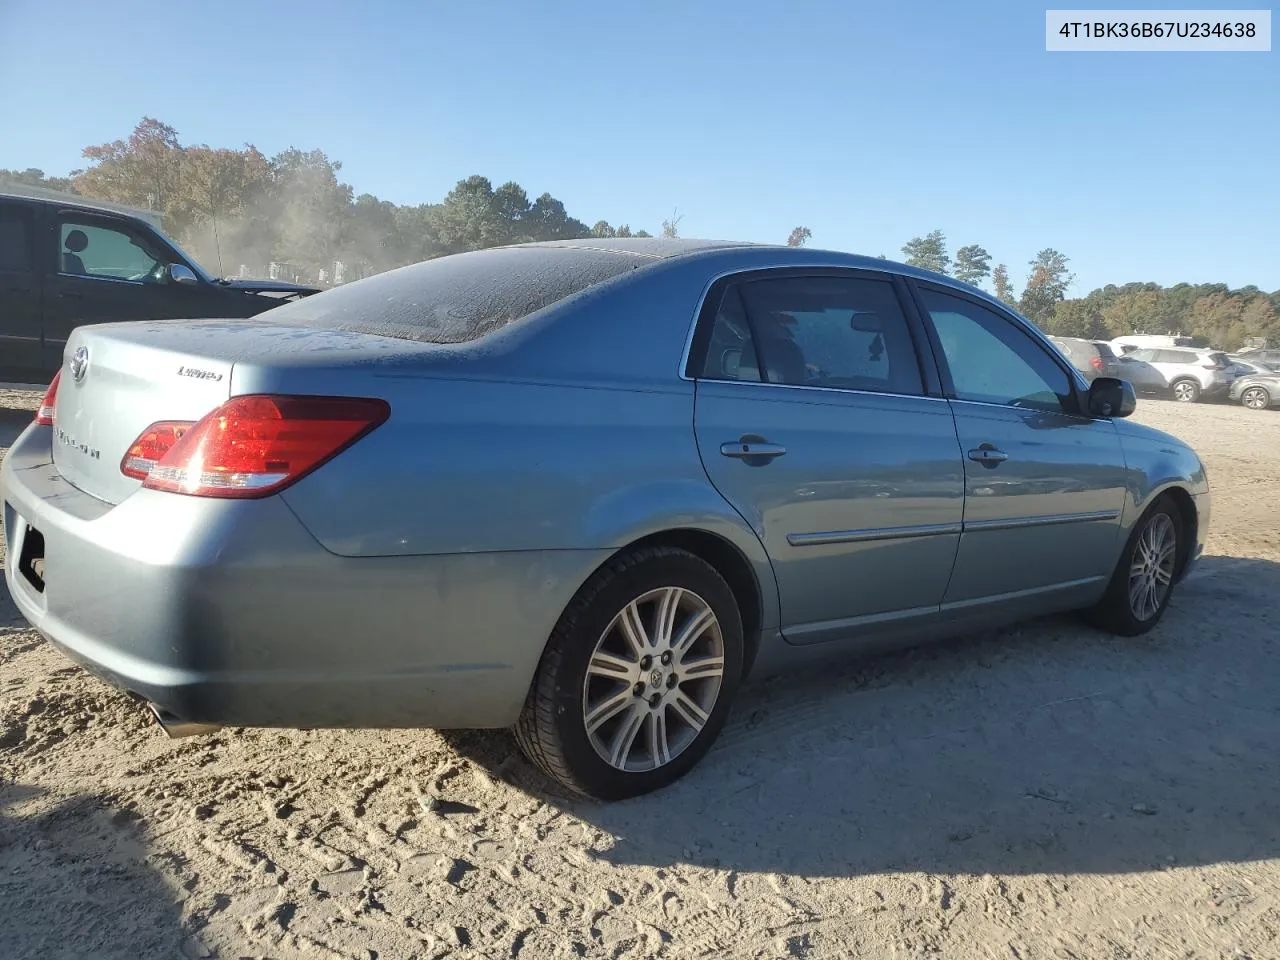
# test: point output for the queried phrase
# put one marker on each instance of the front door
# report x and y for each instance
(812, 420)
(1044, 484)
(104, 270)
(19, 295)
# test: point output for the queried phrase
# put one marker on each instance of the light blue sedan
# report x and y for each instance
(579, 489)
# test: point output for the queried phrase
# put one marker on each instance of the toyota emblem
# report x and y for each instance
(79, 363)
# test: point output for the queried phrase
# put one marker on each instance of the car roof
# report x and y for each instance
(66, 201)
(779, 255)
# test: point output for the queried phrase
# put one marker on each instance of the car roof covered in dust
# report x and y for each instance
(466, 296)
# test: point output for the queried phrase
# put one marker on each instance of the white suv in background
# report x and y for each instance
(1185, 372)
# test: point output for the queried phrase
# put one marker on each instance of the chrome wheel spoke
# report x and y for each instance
(624, 737)
(612, 667)
(607, 709)
(632, 628)
(689, 711)
(701, 668)
(664, 626)
(692, 630)
(1164, 577)
(1135, 597)
(659, 747)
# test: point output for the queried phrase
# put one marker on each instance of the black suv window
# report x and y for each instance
(91, 249)
(992, 361)
(15, 239)
(837, 332)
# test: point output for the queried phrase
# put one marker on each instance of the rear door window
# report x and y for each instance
(845, 333)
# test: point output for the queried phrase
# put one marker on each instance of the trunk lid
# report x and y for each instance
(128, 380)
(135, 374)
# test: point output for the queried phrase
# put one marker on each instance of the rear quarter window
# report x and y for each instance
(459, 298)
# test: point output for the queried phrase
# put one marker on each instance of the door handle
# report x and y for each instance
(71, 296)
(751, 450)
(988, 456)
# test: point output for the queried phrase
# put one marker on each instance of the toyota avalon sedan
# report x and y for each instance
(580, 489)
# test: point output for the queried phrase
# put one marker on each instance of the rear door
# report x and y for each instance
(814, 418)
(19, 294)
(1045, 484)
(105, 269)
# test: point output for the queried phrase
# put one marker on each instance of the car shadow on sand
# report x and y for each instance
(1044, 748)
(75, 882)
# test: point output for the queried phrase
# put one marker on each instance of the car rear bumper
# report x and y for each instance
(230, 612)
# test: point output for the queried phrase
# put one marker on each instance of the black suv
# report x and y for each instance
(64, 263)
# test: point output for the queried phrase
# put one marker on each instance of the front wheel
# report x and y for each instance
(1256, 398)
(1143, 580)
(637, 677)
(1186, 391)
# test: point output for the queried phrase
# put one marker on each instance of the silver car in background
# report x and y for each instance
(1093, 358)
(1187, 374)
(580, 489)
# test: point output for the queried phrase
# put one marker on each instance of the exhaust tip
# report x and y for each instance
(176, 728)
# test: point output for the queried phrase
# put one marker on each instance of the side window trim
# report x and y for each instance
(696, 355)
(1028, 335)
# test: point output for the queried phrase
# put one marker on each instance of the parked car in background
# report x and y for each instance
(1185, 374)
(578, 488)
(1138, 341)
(1248, 364)
(1093, 358)
(1257, 391)
(64, 264)
(1265, 355)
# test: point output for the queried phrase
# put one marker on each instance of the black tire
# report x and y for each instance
(1255, 398)
(552, 729)
(1115, 612)
(1185, 390)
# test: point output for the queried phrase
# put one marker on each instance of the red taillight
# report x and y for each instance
(256, 445)
(44, 416)
(155, 441)
(1097, 363)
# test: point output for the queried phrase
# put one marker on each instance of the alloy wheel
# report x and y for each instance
(1184, 391)
(1255, 398)
(653, 679)
(1151, 567)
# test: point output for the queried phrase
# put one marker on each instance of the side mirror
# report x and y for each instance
(1110, 397)
(181, 273)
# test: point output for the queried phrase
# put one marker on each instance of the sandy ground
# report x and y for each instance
(1043, 792)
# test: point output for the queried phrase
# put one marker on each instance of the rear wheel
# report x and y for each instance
(637, 677)
(1143, 580)
(1256, 398)
(1186, 391)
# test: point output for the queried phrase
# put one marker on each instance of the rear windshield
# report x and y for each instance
(1104, 350)
(459, 298)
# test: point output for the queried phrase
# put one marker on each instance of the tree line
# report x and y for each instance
(1227, 318)
(237, 206)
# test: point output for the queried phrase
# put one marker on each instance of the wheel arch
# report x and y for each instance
(1185, 504)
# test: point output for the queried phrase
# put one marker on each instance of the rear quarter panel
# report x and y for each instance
(571, 431)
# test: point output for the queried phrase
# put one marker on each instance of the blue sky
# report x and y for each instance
(869, 123)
